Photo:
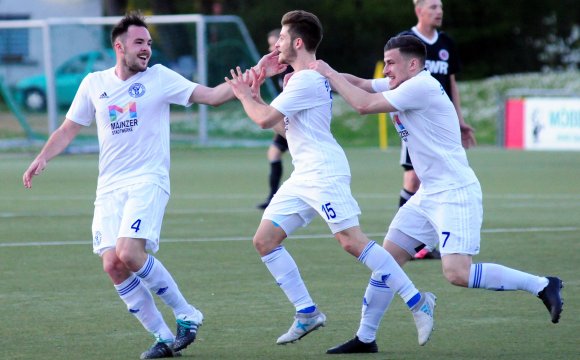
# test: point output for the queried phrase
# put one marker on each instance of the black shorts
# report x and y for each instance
(405, 158)
(280, 142)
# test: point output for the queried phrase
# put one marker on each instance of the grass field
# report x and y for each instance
(57, 303)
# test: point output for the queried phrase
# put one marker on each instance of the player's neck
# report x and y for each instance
(302, 61)
(427, 31)
(123, 72)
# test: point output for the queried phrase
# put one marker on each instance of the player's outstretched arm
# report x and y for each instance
(223, 93)
(365, 84)
(56, 143)
(214, 96)
(362, 101)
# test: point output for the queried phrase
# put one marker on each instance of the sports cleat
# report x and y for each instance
(423, 315)
(159, 350)
(187, 330)
(425, 254)
(303, 325)
(551, 297)
(354, 346)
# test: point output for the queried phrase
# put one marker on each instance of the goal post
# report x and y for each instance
(224, 38)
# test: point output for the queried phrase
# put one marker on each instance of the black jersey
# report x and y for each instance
(442, 57)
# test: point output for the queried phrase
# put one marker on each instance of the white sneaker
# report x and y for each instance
(302, 326)
(423, 315)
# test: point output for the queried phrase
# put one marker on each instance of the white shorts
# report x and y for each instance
(297, 202)
(449, 218)
(134, 211)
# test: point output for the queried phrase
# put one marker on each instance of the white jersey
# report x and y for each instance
(427, 121)
(306, 103)
(132, 118)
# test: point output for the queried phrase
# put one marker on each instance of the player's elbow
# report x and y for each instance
(363, 109)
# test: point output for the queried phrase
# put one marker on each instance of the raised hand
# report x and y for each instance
(323, 68)
(241, 83)
(270, 63)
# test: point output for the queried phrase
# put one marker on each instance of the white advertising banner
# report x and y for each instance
(552, 124)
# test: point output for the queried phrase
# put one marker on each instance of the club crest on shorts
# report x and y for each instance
(97, 239)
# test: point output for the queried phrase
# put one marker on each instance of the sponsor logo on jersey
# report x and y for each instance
(122, 126)
(403, 133)
(136, 90)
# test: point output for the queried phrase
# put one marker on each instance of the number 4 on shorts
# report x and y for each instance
(136, 225)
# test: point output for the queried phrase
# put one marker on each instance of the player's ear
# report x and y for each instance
(298, 43)
(414, 64)
(118, 46)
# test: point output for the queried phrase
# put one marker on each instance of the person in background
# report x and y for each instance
(279, 144)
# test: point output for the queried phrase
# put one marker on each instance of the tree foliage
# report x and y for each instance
(494, 37)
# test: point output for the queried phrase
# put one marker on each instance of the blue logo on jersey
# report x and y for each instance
(136, 90)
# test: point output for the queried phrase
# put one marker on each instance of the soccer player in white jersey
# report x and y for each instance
(319, 184)
(130, 104)
(447, 209)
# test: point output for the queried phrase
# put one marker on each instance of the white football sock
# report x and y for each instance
(498, 277)
(140, 303)
(384, 265)
(156, 277)
(378, 297)
(284, 269)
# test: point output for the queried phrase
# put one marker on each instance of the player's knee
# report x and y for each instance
(114, 267)
(262, 246)
(348, 246)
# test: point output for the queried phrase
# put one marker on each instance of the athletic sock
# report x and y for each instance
(156, 277)
(384, 265)
(275, 176)
(405, 196)
(284, 269)
(140, 303)
(498, 277)
(378, 297)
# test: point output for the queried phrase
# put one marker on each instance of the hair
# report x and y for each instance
(304, 25)
(408, 45)
(418, 2)
(274, 32)
(131, 18)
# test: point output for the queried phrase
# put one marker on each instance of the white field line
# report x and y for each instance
(312, 236)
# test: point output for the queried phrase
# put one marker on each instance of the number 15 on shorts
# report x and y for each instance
(328, 211)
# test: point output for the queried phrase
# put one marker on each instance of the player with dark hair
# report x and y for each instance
(447, 209)
(443, 63)
(319, 184)
(130, 104)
